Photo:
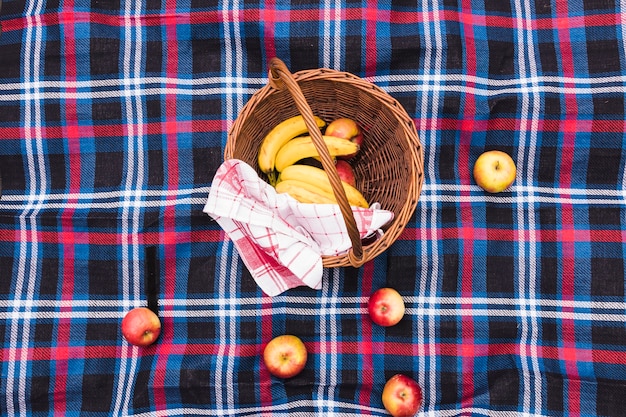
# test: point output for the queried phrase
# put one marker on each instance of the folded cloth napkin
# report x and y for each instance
(280, 240)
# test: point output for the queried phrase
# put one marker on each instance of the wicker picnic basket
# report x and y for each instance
(388, 168)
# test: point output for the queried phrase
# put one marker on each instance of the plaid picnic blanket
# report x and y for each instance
(113, 119)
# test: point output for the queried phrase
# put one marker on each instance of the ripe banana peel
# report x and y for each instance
(304, 192)
(303, 147)
(318, 178)
(279, 136)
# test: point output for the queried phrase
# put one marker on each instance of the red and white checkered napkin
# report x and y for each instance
(280, 240)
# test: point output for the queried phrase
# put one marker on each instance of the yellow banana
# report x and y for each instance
(303, 147)
(319, 178)
(303, 192)
(278, 136)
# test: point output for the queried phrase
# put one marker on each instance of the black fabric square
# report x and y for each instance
(608, 334)
(13, 177)
(44, 333)
(152, 4)
(451, 104)
(206, 161)
(154, 56)
(501, 58)
(503, 330)
(503, 7)
(248, 284)
(350, 280)
(300, 48)
(10, 53)
(454, 52)
(206, 106)
(401, 271)
(105, 175)
(555, 392)
(500, 275)
(40, 390)
(101, 331)
(106, 4)
(97, 392)
(503, 105)
(447, 162)
(543, 7)
(57, 171)
(450, 280)
(155, 167)
(10, 113)
(549, 331)
(194, 386)
(206, 55)
(448, 330)
(610, 398)
(607, 277)
(103, 277)
(610, 105)
(499, 215)
(552, 105)
(405, 52)
(549, 274)
(101, 220)
(547, 163)
(449, 389)
(153, 109)
(52, 112)
(603, 56)
(141, 396)
(448, 216)
(599, 5)
(547, 57)
(300, 385)
(52, 60)
(104, 56)
(348, 387)
(200, 279)
(106, 110)
(503, 387)
(6, 269)
(248, 330)
(254, 50)
(246, 385)
(349, 328)
(201, 330)
(604, 166)
(50, 275)
(601, 216)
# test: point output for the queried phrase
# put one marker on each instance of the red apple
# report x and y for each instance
(285, 356)
(347, 129)
(494, 171)
(345, 172)
(386, 307)
(402, 396)
(140, 326)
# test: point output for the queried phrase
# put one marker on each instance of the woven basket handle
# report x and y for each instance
(280, 73)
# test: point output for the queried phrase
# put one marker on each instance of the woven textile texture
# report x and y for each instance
(113, 119)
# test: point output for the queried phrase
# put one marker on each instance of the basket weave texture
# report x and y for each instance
(389, 167)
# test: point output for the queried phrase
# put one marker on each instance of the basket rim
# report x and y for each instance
(398, 224)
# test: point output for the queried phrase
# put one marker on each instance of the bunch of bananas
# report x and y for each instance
(285, 146)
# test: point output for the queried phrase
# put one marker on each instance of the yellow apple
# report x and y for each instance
(285, 356)
(494, 171)
(402, 396)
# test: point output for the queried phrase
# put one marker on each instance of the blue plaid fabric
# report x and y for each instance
(113, 120)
